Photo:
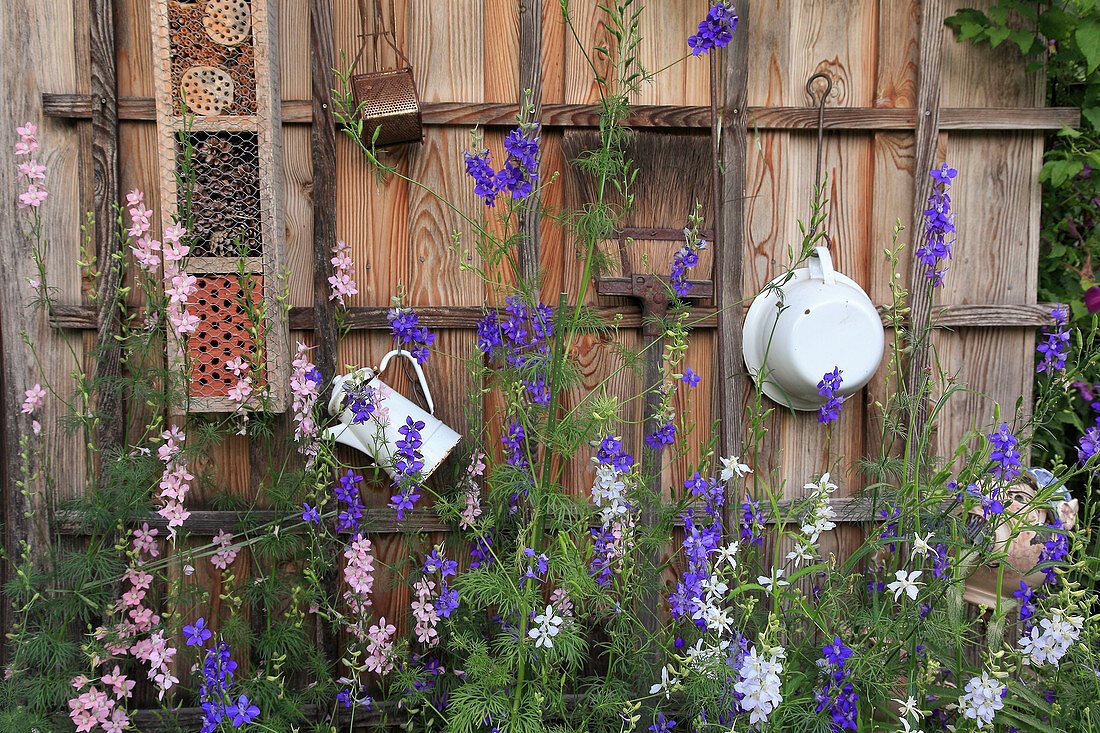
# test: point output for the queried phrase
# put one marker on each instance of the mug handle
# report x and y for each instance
(821, 265)
(416, 368)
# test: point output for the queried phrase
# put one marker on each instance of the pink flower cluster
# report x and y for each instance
(226, 553)
(424, 612)
(305, 385)
(380, 651)
(359, 574)
(32, 403)
(343, 285)
(146, 249)
(94, 707)
(35, 173)
(240, 394)
(175, 482)
(473, 493)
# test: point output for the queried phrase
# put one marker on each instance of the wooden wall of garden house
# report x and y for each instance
(906, 97)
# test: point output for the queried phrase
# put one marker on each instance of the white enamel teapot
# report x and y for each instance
(377, 436)
(797, 331)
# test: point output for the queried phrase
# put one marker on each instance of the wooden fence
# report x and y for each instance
(906, 98)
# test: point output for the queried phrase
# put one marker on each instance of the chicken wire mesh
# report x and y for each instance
(219, 136)
(220, 304)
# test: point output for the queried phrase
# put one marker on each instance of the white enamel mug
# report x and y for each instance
(378, 436)
(797, 332)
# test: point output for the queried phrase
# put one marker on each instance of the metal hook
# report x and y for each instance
(820, 119)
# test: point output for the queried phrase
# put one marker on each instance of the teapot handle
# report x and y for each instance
(416, 368)
(821, 266)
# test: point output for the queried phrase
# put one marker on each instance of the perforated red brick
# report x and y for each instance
(222, 334)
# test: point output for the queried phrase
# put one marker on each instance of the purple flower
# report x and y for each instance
(347, 520)
(434, 562)
(827, 388)
(715, 31)
(405, 500)
(447, 602)
(990, 503)
(197, 634)
(1005, 457)
(310, 514)
(750, 522)
(520, 171)
(611, 453)
(939, 224)
(837, 653)
(478, 168)
(1088, 445)
(663, 724)
(941, 563)
(409, 335)
(1055, 348)
(690, 378)
(481, 552)
(662, 436)
(242, 712)
(360, 400)
(685, 257)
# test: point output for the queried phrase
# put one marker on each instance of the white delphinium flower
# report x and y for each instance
(824, 486)
(770, 584)
(667, 684)
(906, 583)
(718, 620)
(921, 545)
(908, 707)
(547, 626)
(823, 513)
(801, 553)
(1051, 638)
(732, 466)
(982, 699)
(608, 493)
(714, 587)
(727, 554)
(760, 684)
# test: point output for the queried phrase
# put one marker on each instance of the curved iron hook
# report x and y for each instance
(820, 118)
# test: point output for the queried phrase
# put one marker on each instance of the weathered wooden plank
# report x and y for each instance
(323, 142)
(383, 520)
(105, 186)
(530, 88)
(928, 122)
(732, 387)
(494, 114)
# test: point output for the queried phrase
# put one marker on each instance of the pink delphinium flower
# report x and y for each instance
(343, 285)
(305, 385)
(424, 612)
(225, 556)
(33, 196)
(28, 140)
(33, 170)
(380, 647)
(34, 400)
(473, 493)
(145, 542)
(119, 683)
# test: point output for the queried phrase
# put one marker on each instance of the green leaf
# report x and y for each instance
(998, 35)
(1055, 23)
(1025, 40)
(999, 14)
(1088, 41)
(968, 24)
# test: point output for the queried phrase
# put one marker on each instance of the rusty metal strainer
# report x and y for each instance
(386, 99)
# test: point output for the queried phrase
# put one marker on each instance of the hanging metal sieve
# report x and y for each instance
(386, 99)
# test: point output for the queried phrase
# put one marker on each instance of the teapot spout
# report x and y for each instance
(344, 434)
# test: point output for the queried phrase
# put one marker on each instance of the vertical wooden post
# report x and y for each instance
(105, 182)
(530, 78)
(928, 127)
(732, 384)
(323, 141)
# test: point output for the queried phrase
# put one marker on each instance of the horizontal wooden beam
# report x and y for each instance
(383, 520)
(626, 316)
(299, 111)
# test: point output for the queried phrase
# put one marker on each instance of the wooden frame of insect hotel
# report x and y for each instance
(220, 164)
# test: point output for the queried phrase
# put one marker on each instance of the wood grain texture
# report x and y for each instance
(529, 61)
(323, 147)
(105, 186)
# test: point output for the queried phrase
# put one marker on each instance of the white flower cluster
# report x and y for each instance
(1052, 637)
(609, 492)
(710, 612)
(547, 626)
(984, 696)
(821, 520)
(760, 684)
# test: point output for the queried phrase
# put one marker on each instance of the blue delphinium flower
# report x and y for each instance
(716, 30)
(242, 712)
(408, 334)
(751, 525)
(520, 171)
(663, 724)
(685, 257)
(690, 378)
(989, 502)
(1055, 346)
(1005, 457)
(522, 340)
(664, 435)
(408, 463)
(890, 531)
(360, 399)
(197, 633)
(838, 696)
(481, 551)
(310, 513)
(941, 562)
(939, 226)
(348, 492)
(217, 677)
(827, 388)
(1088, 445)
